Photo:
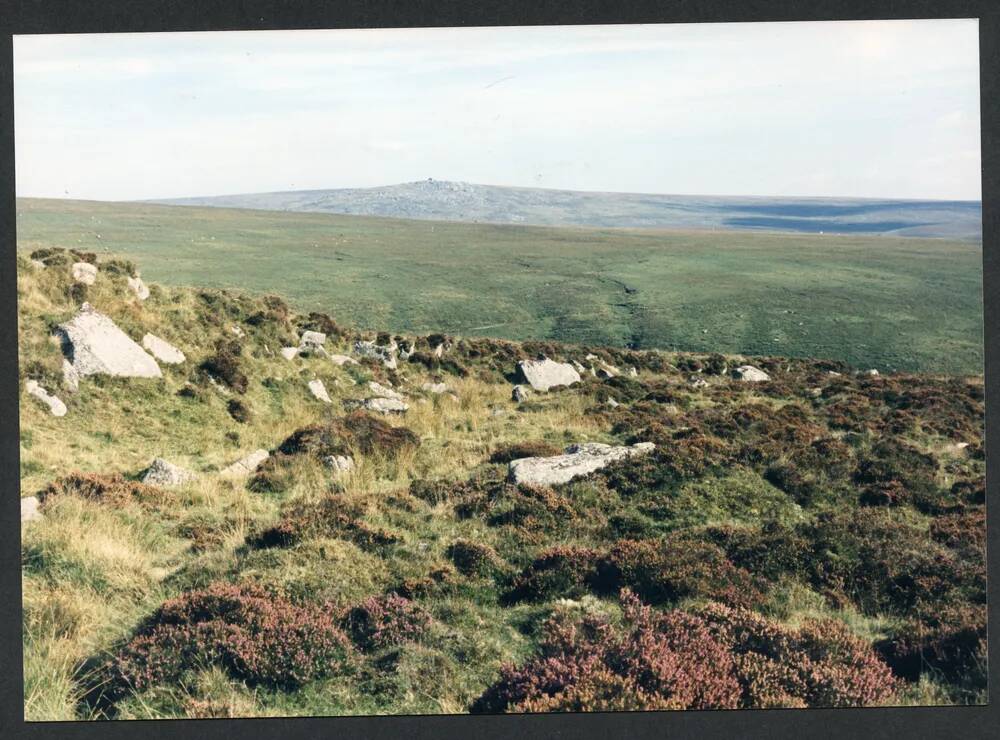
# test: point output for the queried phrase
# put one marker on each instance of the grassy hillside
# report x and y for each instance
(904, 304)
(836, 519)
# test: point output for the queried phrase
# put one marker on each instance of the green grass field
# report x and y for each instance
(889, 303)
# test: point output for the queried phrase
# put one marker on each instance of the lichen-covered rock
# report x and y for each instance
(578, 460)
(545, 373)
(385, 355)
(317, 388)
(163, 473)
(289, 353)
(95, 345)
(84, 272)
(339, 463)
(751, 374)
(162, 350)
(71, 379)
(55, 406)
(246, 465)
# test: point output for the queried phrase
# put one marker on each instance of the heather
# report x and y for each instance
(814, 540)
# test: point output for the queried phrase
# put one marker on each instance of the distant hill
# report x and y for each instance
(460, 201)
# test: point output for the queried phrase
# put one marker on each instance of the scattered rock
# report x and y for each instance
(439, 351)
(340, 360)
(339, 463)
(406, 352)
(379, 405)
(163, 473)
(56, 407)
(385, 355)
(578, 460)
(436, 388)
(29, 509)
(289, 353)
(84, 272)
(162, 350)
(697, 382)
(319, 390)
(71, 380)
(544, 374)
(238, 331)
(580, 368)
(872, 373)
(312, 338)
(38, 264)
(633, 373)
(381, 391)
(520, 394)
(833, 373)
(606, 371)
(138, 287)
(96, 346)
(246, 465)
(751, 374)
(613, 403)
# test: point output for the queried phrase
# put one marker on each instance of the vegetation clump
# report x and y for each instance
(253, 635)
(358, 432)
(113, 489)
(225, 365)
(530, 448)
(382, 621)
(717, 658)
(473, 559)
(334, 516)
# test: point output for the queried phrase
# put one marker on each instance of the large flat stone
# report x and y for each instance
(578, 460)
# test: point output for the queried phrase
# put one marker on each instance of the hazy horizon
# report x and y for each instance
(885, 110)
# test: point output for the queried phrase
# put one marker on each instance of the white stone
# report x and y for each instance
(340, 360)
(383, 405)
(71, 380)
(633, 373)
(246, 465)
(238, 331)
(872, 373)
(138, 287)
(84, 272)
(381, 391)
(55, 406)
(520, 394)
(613, 403)
(697, 382)
(606, 371)
(96, 346)
(162, 350)
(751, 374)
(163, 473)
(339, 463)
(315, 338)
(545, 374)
(319, 390)
(578, 460)
(289, 353)
(436, 388)
(29, 509)
(38, 264)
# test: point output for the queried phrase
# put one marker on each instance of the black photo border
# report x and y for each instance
(106, 16)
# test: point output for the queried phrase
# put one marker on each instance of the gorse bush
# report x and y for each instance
(253, 635)
(718, 658)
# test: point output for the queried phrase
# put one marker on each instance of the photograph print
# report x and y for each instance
(500, 370)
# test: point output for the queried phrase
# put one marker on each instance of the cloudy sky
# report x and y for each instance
(865, 109)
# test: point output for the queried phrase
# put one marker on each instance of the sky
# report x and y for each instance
(882, 109)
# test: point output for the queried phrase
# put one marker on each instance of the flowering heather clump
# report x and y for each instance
(951, 642)
(112, 489)
(720, 658)
(567, 572)
(663, 571)
(255, 636)
(473, 559)
(333, 516)
(380, 621)
(821, 664)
